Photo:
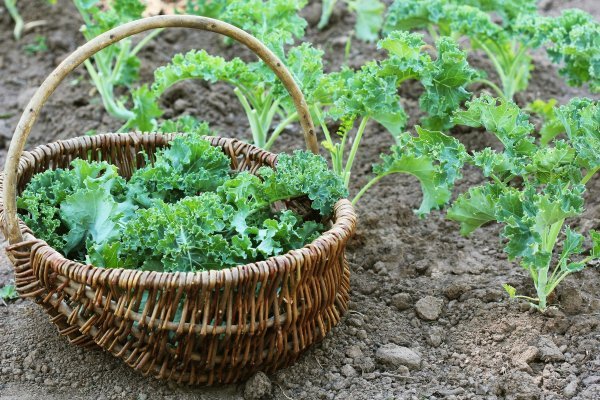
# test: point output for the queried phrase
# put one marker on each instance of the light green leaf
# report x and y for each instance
(433, 158)
(510, 290)
(475, 208)
(369, 18)
(145, 110)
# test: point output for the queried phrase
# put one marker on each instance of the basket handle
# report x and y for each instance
(30, 114)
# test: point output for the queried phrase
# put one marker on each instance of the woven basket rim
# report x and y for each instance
(343, 220)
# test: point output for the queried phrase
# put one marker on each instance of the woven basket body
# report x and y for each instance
(198, 328)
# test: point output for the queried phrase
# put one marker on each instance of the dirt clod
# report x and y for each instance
(402, 301)
(435, 336)
(521, 360)
(548, 351)
(429, 308)
(348, 371)
(571, 389)
(394, 356)
(519, 385)
(456, 289)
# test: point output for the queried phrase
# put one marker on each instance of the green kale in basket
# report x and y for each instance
(185, 211)
(68, 207)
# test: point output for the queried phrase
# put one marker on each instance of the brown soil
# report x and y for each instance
(481, 346)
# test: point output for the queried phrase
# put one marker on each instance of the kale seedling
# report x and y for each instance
(118, 65)
(533, 189)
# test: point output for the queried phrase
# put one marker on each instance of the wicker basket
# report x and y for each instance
(233, 322)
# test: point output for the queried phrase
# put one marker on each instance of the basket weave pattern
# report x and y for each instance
(229, 324)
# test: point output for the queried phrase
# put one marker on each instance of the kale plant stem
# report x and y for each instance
(11, 6)
(105, 91)
(116, 70)
(354, 149)
(515, 76)
(280, 127)
(541, 288)
(145, 41)
(589, 175)
(497, 66)
(257, 136)
(367, 187)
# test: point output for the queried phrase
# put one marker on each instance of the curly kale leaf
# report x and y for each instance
(529, 216)
(195, 234)
(556, 159)
(185, 124)
(145, 110)
(581, 121)
(445, 79)
(189, 166)
(572, 40)
(303, 173)
(275, 22)
(507, 52)
(55, 204)
(305, 63)
(502, 118)
(368, 94)
(92, 215)
(201, 65)
(185, 236)
(433, 158)
(475, 207)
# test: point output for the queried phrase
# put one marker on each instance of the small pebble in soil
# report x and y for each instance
(366, 287)
(456, 289)
(354, 352)
(257, 387)
(348, 371)
(571, 389)
(380, 268)
(548, 351)
(362, 334)
(429, 308)
(403, 371)
(435, 336)
(402, 301)
(422, 267)
(394, 356)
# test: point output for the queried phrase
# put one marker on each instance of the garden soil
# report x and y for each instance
(428, 317)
